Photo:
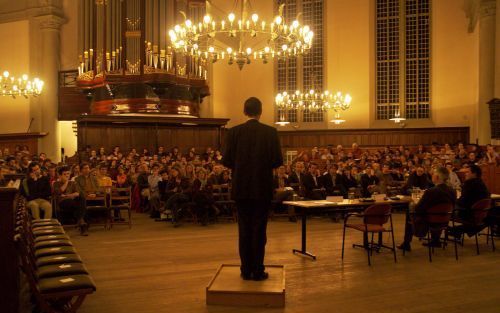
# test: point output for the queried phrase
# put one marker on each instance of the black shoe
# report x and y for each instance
(405, 247)
(260, 276)
(434, 244)
(246, 276)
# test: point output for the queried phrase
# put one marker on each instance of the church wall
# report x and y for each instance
(14, 57)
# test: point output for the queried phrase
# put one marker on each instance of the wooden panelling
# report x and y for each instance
(10, 141)
(72, 103)
(491, 177)
(149, 132)
(374, 137)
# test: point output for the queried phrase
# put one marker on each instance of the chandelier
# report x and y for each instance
(239, 39)
(314, 101)
(10, 86)
(397, 117)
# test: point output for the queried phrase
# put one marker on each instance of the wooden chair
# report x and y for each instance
(222, 200)
(438, 218)
(476, 223)
(99, 203)
(374, 218)
(120, 199)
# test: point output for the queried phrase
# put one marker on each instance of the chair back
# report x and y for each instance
(377, 214)
(480, 210)
(439, 213)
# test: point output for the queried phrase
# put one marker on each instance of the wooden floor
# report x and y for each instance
(154, 267)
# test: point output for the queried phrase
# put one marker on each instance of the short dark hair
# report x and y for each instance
(31, 166)
(253, 107)
(474, 169)
(63, 169)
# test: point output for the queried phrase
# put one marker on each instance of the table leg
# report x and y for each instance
(303, 251)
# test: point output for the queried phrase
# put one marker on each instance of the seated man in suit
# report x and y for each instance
(439, 194)
(332, 182)
(369, 182)
(281, 192)
(418, 179)
(473, 190)
(312, 183)
(296, 178)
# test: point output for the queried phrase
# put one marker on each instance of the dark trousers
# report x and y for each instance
(76, 206)
(252, 224)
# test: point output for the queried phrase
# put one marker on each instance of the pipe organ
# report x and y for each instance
(126, 64)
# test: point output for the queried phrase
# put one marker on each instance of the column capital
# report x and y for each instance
(53, 22)
(488, 8)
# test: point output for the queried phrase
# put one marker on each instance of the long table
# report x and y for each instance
(305, 208)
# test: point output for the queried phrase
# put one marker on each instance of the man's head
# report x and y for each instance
(218, 169)
(85, 169)
(299, 167)
(103, 169)
(64, 173)
(333, 169)
(473, 171)
(281, 170)
(420, 171)
(440, 175)
(313, 168)
(34, 168)
(386, 169)
(253, 108)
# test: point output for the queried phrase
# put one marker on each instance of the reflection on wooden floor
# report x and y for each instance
(156, 268)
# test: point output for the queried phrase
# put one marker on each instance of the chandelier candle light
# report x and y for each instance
(313, 101)
(256, 39)
(397, 117)
(10, 86)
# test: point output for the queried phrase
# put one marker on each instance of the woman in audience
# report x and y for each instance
(180, 189)
(122, 179)
(154, 193)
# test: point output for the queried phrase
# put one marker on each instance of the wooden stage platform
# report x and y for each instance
(154, 267)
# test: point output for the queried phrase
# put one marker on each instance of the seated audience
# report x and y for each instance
(418, 179)
(333, 182)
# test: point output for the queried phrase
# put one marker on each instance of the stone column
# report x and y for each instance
(50, 26)
(487, 29)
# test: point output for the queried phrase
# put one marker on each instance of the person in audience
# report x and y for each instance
(87, 183)
(143, 185)
(348, 179)
(333, 182)
(473, 190)
(37, 191)
(491, 156)
(296, 178)
(202, 196)
(312, 183)
(282, 192)
(24, 164)
(103, 178)
(439, 194)
(215, 177)
(418, 179)
(386, 179)
(154, 193)
(356, 151)
(179, 188)
(369, 182)
(13, 166)
(122, 179)
(454, 180)
(68, 198)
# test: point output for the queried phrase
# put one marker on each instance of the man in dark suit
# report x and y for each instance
(252, 151)
(473, 190)
(313, 184)
(439, 194)
(332, 182)
(296, 178)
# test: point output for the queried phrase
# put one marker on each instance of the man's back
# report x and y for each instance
(473, 190)
(252, 151)
(439, 194)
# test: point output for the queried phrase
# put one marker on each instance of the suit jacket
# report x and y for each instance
(436, 195)
(473, 190)
(310, 184)
(327, 182)
(252, 150)
(80, 182)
